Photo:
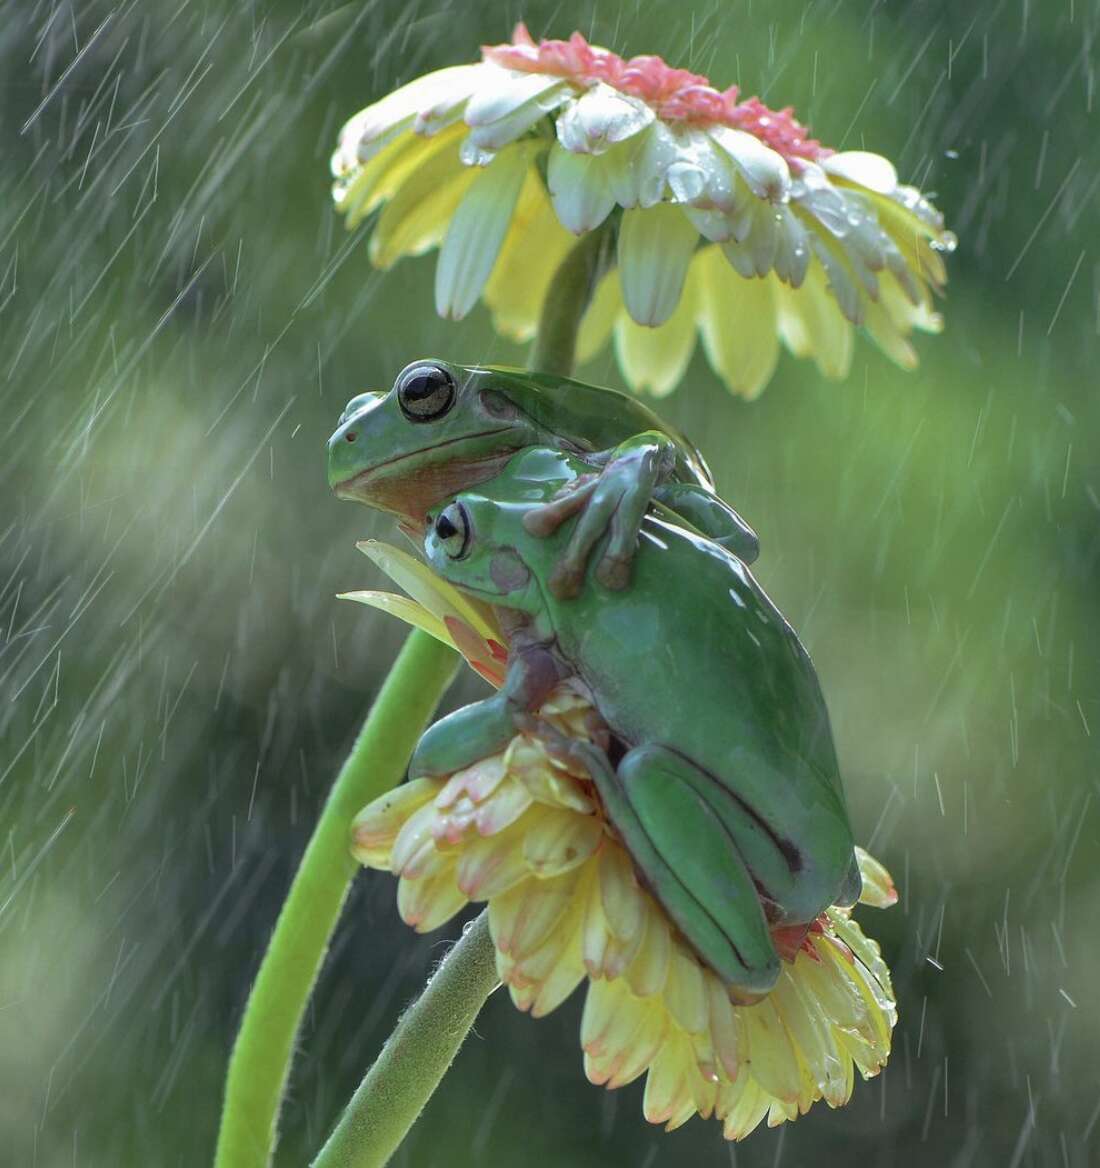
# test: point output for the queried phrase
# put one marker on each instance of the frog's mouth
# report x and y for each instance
(410, 491)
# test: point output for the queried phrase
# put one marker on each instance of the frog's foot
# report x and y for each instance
(546, 518)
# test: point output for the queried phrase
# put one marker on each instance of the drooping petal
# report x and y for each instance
(812, 325)
(766, 172)
(737, 319)
(375, 829)
(476, 232)
(655, 248)
(601, 118)
(427, 903)
(864, 169)
(653, 360)
(579, 189)
(878, 884)
(377, 125)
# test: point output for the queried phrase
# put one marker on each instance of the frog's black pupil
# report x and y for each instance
(425, 392)
(444, 528)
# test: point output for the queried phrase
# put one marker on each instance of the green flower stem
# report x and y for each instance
(555, 346)
(416, 1056)
(261, 1058)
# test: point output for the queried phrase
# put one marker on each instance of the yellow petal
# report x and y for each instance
(427, 903)
(737, 319)
(669, 1084)
(522, 918)
(557, 841)
(878, 884)
(375, 828)
(382, 177)
(404, 609)
(439, 597)
(812, 325)
(620, 896)
(624, 1064)
(654, 360)
(648, 972)
(769, 1056)
(490, 865)
(685, 992)
(532, 251)
(417, 215)
(724, 1031)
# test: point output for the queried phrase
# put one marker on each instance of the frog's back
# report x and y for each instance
(695, 656)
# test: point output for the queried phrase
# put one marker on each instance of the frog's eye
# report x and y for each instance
(452, 529)
(425, 391)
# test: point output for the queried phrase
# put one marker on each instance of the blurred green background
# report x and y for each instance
(182, 318)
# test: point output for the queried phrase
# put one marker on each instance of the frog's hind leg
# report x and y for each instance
(687, 860)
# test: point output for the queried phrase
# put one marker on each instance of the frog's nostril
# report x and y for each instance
(350, 436)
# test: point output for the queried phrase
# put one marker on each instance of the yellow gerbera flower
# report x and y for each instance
(524, 833)
(734, 222)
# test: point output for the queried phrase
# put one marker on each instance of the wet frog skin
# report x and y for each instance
(724, 782)
(443, 428)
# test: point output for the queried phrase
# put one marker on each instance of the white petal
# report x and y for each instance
(658, 150)
(600, 118)
(702, 174)
(371, 128)
(493, 135)
(737, 318)
(654, 360)
(792, 250)
(763, 169)
(840, 282)
(756, 236)
(655, 248)
(868, 170)
(476, 233)
(713, 225)
(501, 92)
(579, 189)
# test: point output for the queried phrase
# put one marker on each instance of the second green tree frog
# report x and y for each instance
(443, 428)
(722, 779)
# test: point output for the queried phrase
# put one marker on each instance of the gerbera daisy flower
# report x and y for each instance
(522, 832)
(731, 221)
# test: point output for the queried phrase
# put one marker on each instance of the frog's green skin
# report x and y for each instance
(404, 454)
(728, 793)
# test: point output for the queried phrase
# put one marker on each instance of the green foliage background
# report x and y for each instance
(182, 317)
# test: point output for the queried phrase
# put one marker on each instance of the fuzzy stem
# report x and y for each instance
(262, 1054)
(555, 345)
(416, 1055)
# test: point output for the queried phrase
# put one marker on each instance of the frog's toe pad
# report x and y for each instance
(614, 573)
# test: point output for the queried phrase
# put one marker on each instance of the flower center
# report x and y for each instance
(675, 95)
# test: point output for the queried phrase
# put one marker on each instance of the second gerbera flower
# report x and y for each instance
(735, 222)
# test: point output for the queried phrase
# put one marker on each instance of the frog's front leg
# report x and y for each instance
(483, 728)
(686, 856)
(614, 503)
(710, 516)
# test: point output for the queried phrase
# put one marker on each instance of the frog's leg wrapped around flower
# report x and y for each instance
(526, 832)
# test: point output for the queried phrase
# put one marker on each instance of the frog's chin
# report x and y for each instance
(410, 488)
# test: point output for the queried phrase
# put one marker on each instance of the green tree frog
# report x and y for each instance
(722, 777)
(443, 428)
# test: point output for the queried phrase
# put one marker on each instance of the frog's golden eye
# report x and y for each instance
(452, 529)
(425, 391)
